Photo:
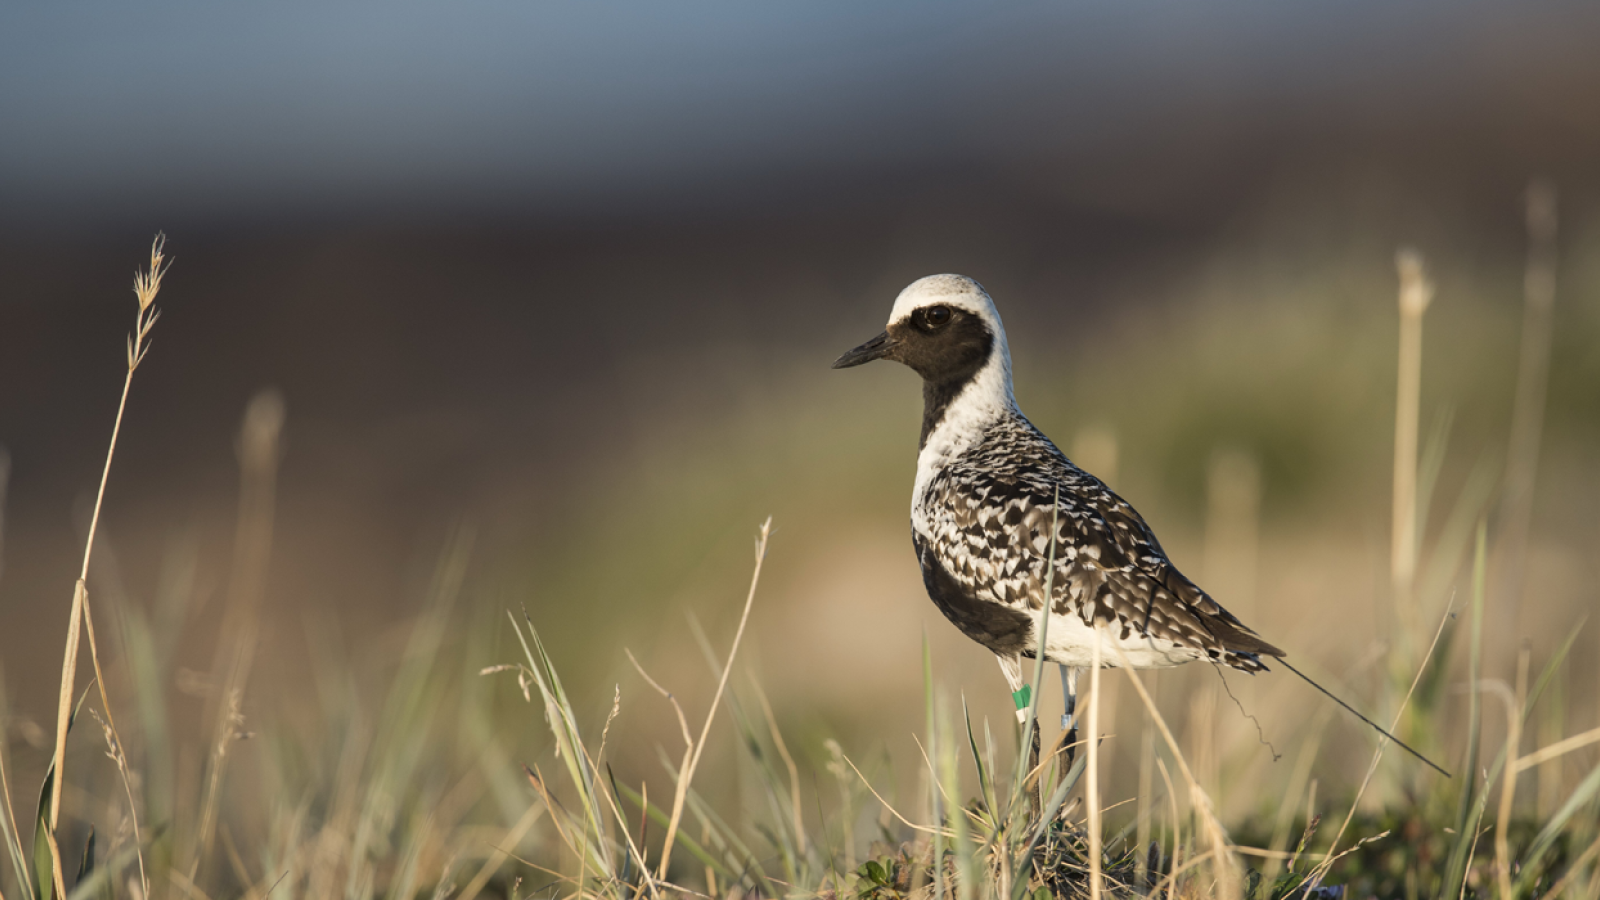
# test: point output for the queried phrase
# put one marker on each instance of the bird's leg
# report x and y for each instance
(1069, 715)
(1021, 695)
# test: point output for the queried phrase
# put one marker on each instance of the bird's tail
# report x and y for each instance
(1374, 725)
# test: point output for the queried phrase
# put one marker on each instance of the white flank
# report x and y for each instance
(1069, 642)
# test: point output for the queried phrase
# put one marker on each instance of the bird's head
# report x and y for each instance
(944, 328)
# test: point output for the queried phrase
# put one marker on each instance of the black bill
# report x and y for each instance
(877, 348)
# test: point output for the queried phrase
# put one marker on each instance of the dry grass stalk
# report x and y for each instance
(635, 851)
(1220, 852)
(259, 450)
(1574, 870)
(5, 783)
(499, 854)
(1416, 293)
(5, 793)
(1533, 375)
(1322, 870)
(146, 284)
(117, 756)
(116, 752)
(1558, 749)
(692, 758)
(1176, 856)
(1091, 790)
(1147, 753)
(789, 763)
(1508, 780)
(1299, 779)
(889, 807)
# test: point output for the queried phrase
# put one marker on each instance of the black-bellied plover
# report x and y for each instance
(989, 488)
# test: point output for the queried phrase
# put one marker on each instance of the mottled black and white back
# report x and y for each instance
(990, 489)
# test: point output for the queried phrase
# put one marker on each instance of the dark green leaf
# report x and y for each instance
(44, 882)
(86, 867)
(44, 886)
(874, 872)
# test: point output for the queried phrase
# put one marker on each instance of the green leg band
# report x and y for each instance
(1023, 697)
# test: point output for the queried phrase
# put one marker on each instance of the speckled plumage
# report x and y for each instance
(989, 486)
(983, 521)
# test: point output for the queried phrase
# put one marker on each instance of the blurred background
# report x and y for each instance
(568, 277)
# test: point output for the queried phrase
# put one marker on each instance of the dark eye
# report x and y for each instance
(936, 316)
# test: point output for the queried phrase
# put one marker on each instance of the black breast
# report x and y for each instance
(1004, 630)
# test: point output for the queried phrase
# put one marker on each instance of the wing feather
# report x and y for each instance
(988, 518)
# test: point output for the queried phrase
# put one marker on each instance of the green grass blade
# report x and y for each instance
(1450, 548)
(750, 863)
(1473, 798)
(1455, 538)
(722, 834)
(949, 774)
(660, 817)
(1029, 727)
(44, 883)
(101, 882)
(146, 668)
(782, 828)
(86, 865)
(19, 864)
(933, 751)
(1429, 466)
(1023, 860)
(1551, 668)
(1546, 839)
(985, 789)
(563, 727)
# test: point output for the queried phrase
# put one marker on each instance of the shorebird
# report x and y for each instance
(995, 502)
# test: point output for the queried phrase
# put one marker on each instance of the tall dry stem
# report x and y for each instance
(686, 774)
(1508, 778)
(1533, 375)
(1147, 766)
(1416, 293)
(1221, 855)
(1091, 791)
(259, 450)
(146, 284)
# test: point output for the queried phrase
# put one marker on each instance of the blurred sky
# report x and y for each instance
(183, 111)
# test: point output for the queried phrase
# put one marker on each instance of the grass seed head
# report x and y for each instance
(148, 283)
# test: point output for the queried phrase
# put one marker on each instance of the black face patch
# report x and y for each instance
(942, 344)
(947, 347)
